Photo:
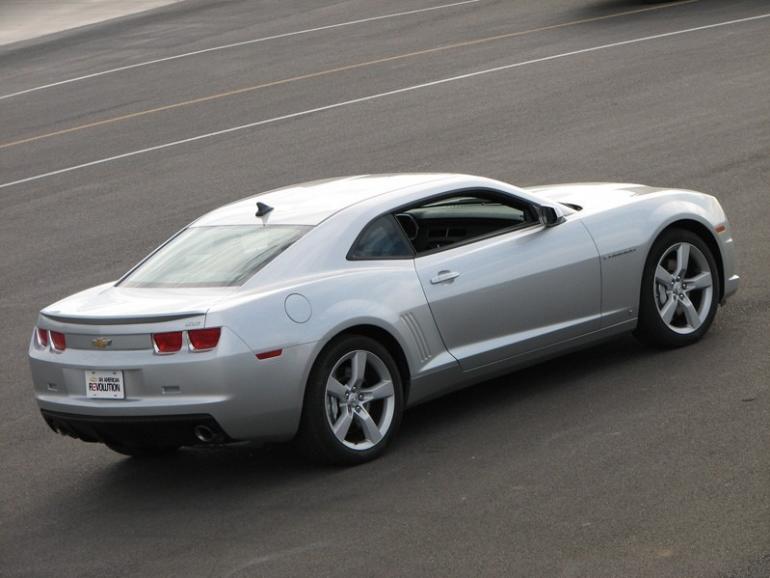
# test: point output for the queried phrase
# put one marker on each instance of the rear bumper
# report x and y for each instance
(167, 430)
(248, 398)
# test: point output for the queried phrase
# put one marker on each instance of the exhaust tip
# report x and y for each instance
(205, 434)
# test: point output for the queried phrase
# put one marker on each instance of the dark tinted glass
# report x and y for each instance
(382, 238)
(464, 217)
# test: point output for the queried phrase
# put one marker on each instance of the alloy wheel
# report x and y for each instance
(683, 288)
(360, 400)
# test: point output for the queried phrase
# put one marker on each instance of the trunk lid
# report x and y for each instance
(110, 305)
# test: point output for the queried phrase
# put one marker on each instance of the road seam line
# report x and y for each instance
(382, 95)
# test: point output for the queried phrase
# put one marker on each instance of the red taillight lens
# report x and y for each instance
(42, 337)
(169, 342)
(269, 354)
(58, 340)
(203, 339)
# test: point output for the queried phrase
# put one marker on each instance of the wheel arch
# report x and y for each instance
(383, 336)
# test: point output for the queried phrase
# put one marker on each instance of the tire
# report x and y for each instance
(141, 451)
(364, 408)
(679, 300)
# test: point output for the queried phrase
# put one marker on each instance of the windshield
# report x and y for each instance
(219, 256)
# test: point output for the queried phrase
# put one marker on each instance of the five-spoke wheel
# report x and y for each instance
(680, 289)
(353, 402)
(683, 287)
(360, 399)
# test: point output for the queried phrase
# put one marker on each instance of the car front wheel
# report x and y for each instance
(353, 402)
(680, 290)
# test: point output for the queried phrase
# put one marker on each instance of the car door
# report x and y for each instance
(512, 290)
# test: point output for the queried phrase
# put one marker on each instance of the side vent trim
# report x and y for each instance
(419, 337)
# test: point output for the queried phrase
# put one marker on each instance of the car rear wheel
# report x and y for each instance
(680, 290)
(353, 402)
(141, 451)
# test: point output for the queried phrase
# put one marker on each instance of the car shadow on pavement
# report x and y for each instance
(551, 378)
(227, 478)
(277, 462)
(598, 8)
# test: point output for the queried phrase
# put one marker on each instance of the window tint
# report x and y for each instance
(213, 256)
(382, 238)
(463, 217)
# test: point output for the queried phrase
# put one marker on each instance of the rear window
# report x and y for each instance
(219, 256)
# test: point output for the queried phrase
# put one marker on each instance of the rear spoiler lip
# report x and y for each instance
(136, 320)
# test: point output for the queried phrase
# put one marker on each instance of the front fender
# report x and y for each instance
(625, 233)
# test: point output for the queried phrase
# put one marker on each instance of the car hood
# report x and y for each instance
(108, 304)
(592, 195)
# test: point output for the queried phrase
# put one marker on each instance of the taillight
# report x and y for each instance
(204, 339)
(42, 337)
(169, 342)
(58, 341)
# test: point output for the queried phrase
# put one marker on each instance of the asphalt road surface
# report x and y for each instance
(617, 461)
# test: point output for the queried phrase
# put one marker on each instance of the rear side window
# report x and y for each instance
(218, 256)
(381, 239)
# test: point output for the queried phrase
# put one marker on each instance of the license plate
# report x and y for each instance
(105, 384)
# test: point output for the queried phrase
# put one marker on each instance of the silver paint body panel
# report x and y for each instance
(485, 315)
(520, 297)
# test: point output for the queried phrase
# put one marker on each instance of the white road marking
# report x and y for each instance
(382, 95)
(235, 45)
(276, 555)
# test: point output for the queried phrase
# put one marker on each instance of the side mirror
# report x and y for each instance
(550, 216)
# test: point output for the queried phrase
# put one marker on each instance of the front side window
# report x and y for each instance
(218, 256)
(463, 217)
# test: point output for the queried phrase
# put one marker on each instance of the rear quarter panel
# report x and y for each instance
(382, 294)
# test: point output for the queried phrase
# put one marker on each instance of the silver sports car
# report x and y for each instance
(319, 312)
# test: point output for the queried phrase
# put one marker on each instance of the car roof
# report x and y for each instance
(312, 202)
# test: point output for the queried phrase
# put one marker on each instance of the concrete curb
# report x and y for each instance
(27, 19)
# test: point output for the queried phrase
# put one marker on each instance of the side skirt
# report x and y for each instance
(438, 383)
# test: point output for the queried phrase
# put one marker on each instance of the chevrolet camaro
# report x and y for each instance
(319, 312)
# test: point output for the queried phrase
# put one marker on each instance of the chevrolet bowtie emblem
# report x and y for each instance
(101, 342)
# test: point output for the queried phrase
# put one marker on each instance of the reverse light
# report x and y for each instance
(42, 337)
(58, 341)
(204, 339)
(168, 342)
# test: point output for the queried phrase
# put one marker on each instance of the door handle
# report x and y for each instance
(444, 277)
